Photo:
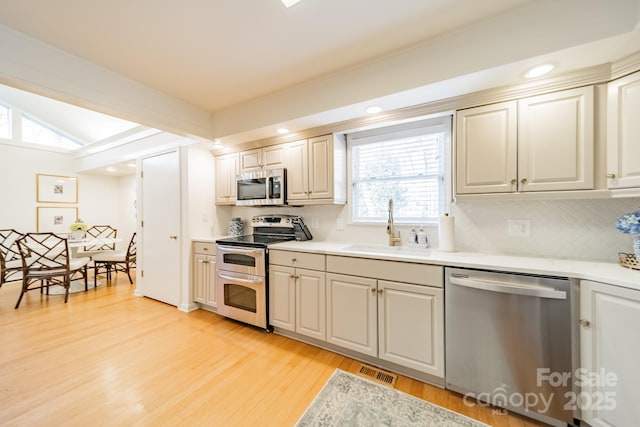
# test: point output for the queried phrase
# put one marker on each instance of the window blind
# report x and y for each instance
(404, 163)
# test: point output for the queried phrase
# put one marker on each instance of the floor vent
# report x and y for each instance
(378, 375)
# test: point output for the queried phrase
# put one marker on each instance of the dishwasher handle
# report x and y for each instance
(509, 288)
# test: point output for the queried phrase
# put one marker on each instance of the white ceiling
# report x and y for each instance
(221, 56)
(215, 54)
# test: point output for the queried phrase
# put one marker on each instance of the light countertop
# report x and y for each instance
(605, 272)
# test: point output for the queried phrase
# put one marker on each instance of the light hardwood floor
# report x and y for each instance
(107, 358)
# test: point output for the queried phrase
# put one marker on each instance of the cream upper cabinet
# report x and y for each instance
(623, 132)
(609, 317)
(271, 157)
(556, 141)
(316, 170)
(226, 171)
(486, 149)
(541, 143)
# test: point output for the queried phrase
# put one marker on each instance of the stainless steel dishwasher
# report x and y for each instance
(510, 342)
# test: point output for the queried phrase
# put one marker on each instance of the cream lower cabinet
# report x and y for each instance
(297, 300)
(392, 320)
(398, 322)
(609, 319)
(204, 273)
(623, 133)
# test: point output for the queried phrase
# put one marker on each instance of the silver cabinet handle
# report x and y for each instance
(611, 175)
(510, 288)
(173, 236)
(523, 181)
(585, 323)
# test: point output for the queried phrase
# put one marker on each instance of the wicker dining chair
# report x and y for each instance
(123, 261)
(46, 261)
(103, 238)
(10, 262)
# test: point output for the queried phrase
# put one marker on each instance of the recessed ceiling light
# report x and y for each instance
(111, 169)
(289, 3)
(217, 145)
(131, 165)
(283, 130)
(538, 71)
(373, 109)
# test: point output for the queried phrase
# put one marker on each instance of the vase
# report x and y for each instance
(235, 227)
(636, 246)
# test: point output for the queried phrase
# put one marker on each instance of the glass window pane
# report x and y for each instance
(5, 122)
(407, 166)
(37, 133)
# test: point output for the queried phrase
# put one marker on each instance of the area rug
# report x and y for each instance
(348, 400)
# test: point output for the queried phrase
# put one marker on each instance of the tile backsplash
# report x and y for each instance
(582, 229)
(578, 229)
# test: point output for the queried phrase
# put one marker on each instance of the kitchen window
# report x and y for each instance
(406, 163)
(5, 122)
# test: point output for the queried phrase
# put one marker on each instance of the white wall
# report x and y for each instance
(102, 199)
(578, 229)
(200, 177)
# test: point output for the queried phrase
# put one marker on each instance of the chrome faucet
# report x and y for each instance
(392, 238)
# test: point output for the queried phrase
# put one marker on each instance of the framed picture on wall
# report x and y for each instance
(55, 219)
(56, 189)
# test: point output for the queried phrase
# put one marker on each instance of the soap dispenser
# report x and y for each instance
(422, 237)
(413, 237)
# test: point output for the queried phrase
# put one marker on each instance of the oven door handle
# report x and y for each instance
(238, 249)
(235, 279)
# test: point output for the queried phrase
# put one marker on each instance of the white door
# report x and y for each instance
(411, 326)
(609, 318)
(161, 227)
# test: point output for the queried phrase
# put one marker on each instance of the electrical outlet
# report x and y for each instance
(519, 228)
(340, 224)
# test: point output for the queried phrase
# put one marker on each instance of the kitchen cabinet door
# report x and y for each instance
(225, 175)
(486, 149)
(352, 313)
(556, 141)
(271, 157)
(204, 279)
(282, 297)
(609, 318)
(411, 326)
(623, 133)
(321, 167)
(297, 163)
(310, 303)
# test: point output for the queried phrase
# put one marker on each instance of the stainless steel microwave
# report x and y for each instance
(262, 188)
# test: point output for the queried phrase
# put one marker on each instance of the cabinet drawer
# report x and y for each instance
(406, 272)
(208, 248)
(297, 259)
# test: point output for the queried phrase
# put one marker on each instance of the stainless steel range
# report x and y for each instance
(242, 267)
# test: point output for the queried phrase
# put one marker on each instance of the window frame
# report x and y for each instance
(445, 118)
